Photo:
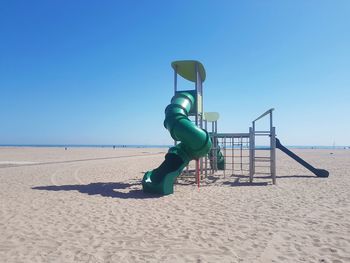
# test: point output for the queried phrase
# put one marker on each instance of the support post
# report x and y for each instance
(273, 155)
(196, 118)
(225, 155)
(232, 155)
(251, 154)
(206, 157)
(175, 87)
(253, 147)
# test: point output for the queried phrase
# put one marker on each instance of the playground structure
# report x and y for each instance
(196, 138)
(237, 154)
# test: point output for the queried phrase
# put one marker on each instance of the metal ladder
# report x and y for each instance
(271, 158)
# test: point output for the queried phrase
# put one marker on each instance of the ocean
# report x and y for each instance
(261, 147)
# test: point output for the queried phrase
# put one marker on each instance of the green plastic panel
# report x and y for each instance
(211, 116)
(187, 69)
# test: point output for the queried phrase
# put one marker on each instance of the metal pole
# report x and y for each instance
(225, 155)
(175, 79)
(253, 141)
(233, 155)
(199, 83)
(196, 88)
(216, 146)
(273, 155)
(251, 157)
(206, 156)
(213, 147)
(196, 120)
(271, 126)
(241, 142)
(175, 87)
(197, 173)
(232, 160)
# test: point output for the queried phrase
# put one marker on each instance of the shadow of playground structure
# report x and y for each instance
(107, 189)
(110, 189)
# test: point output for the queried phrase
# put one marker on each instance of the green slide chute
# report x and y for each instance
(194, 143)
(220, 160)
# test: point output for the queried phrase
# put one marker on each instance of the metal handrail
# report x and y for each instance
(264, 114)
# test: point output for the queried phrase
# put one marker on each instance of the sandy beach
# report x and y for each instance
(86, 205)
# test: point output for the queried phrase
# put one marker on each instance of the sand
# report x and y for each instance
(86, 205)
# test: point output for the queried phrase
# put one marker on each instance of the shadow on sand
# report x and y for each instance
(107, 189)
(237, 182)
(286, 176)
(110, 189)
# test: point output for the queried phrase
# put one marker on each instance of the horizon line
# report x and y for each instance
(157, 146)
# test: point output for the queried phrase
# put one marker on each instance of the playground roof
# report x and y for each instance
(187, 69)
(211, 116)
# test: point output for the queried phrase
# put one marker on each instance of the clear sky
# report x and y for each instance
(98, 72)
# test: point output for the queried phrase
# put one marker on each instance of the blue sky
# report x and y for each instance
(82, 72)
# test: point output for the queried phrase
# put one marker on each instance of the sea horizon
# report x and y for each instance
(261, 147)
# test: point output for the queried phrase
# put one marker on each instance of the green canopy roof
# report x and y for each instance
(187, 69)
(211, 116)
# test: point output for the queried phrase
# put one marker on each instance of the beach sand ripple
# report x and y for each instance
(87, 205)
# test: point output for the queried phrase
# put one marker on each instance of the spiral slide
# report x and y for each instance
(194, 143)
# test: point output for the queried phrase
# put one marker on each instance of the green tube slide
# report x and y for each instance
(194, 143)
(220, 160)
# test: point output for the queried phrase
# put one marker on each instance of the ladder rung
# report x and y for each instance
(262, 132)
(262, 149)
(263, 161)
